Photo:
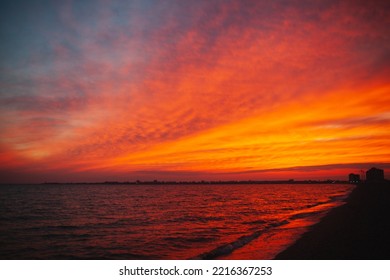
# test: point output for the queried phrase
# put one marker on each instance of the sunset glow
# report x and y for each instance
(192, 90)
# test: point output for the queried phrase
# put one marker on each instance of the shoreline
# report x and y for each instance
(357, 230)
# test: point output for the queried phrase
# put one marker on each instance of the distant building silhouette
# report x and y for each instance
(354, 178)
(375, 174)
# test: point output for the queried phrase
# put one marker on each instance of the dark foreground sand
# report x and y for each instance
(358, 230)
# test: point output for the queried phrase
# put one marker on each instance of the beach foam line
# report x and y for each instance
(358, 230)
(312, 210)
(228, 248)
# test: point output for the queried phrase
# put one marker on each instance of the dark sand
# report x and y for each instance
(357, 230)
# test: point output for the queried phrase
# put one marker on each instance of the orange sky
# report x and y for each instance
(221, 90)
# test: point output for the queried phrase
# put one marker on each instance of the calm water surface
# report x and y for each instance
(159, 221)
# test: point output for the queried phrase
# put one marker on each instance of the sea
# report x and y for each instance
(236, 221)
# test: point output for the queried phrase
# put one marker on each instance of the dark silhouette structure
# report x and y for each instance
(375, 174)
(354, 178)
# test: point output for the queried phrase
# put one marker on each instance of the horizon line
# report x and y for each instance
(191, 182)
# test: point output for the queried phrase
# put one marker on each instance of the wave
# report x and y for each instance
(186, 240)
(228, 248)
(256, 222)
(67, 236)
(197, 219)
(302, 215)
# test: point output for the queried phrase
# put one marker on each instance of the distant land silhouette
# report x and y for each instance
(371, 174)
(203, 182)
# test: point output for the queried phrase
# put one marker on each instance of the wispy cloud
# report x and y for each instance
(198, 87)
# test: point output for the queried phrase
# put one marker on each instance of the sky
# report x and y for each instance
(193, 90)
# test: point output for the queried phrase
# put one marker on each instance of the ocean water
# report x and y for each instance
(159, 221)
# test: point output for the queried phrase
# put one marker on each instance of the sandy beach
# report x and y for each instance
(357, 230)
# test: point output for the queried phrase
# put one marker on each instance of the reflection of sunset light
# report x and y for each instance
(226, 89)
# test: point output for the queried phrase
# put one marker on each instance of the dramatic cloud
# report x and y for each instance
(192, 89)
